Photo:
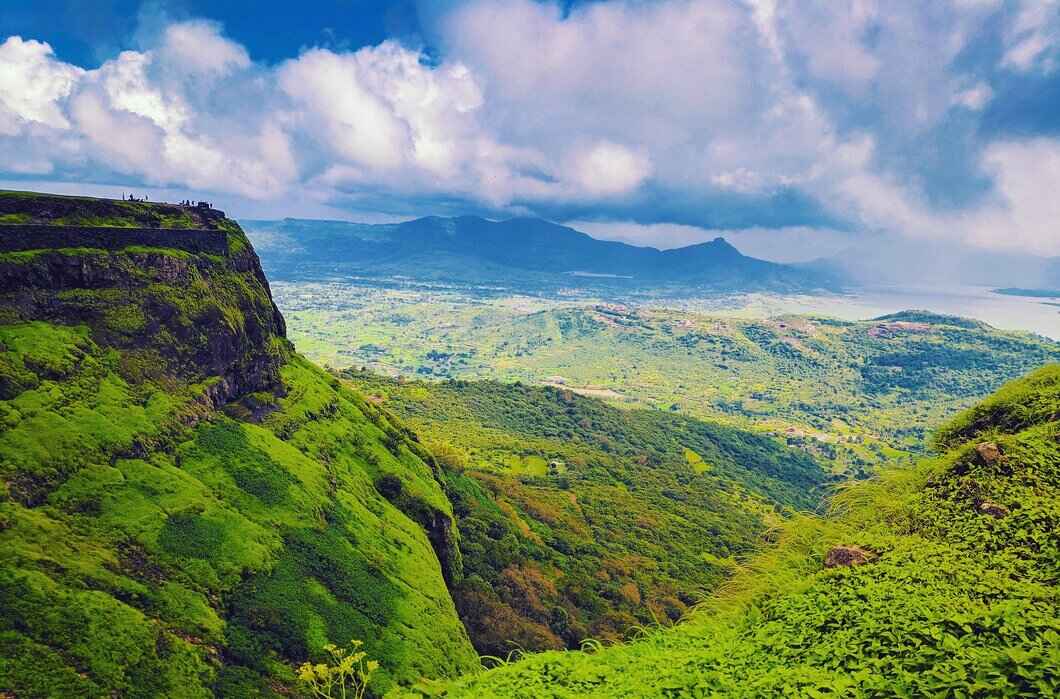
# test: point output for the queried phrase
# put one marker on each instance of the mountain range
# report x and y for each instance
(516, 252)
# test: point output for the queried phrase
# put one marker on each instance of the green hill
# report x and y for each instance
(580, 520)
(938, 580)
(187, 507)
(853, 394)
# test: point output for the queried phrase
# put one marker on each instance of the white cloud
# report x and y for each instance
(1020, 215)
(200, 51)
(527, 106)
(689, 84)
(892, 60)
(142, 114)
(332, 103)
(845, 60)
(381, 108)
(127, 86)
(1033, 36)
(383, 120)
(1026, 212)
(608, 169)
(975, 97)
(126, 141)
(32, 84)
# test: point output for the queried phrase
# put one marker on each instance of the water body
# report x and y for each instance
(1035, 315)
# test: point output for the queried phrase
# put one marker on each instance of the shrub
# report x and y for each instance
(346, 676)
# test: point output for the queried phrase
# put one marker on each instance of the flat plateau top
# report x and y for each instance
(32, 208)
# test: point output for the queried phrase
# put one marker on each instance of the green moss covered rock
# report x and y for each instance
(188, 508)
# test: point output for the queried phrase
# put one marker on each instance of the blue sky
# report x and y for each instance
(793, 125)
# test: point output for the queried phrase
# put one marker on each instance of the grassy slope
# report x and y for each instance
(53, 209)
(856, 394)
(957, 602)
(151, 545)
(639, 517)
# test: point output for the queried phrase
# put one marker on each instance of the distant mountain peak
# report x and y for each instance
(520, 251)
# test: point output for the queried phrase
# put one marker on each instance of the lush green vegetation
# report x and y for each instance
(956, 593)
(855, 394)
(188, 508)
(580, 520)
(53, 209)
(346, 675)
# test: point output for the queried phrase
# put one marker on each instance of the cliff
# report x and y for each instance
(187, 507)
(176, 305)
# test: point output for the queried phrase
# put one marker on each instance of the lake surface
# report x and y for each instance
(1034, 315)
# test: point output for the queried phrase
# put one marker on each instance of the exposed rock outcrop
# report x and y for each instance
(844, 556)
(193, 307)
(41, 236)
(993, 509)
(988, 452)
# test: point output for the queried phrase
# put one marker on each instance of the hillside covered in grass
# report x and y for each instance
(581, 520)
(187, 507)
(938, 580)
(854, 394)
(33, 208)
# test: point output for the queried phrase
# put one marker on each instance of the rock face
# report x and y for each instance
(189, 316)
(197, 503)
(42, 236)
(845, 556)
(988, 452)
(993, 509)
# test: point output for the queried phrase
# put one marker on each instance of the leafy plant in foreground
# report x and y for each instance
(346, 676)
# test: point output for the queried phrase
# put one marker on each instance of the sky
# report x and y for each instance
(795, 128)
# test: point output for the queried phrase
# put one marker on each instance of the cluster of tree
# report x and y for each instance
(640, 515)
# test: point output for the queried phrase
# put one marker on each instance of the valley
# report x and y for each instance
(852, 393)
(582, 521)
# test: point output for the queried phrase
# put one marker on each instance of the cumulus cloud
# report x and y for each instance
(357, 125)
(689, 83)
(381, 109)
(892, 65)
(1025, 210)
(1020, 213)
(198, 50)
(528, 107)
(156, 115)
(31, 85)
(607, 169)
